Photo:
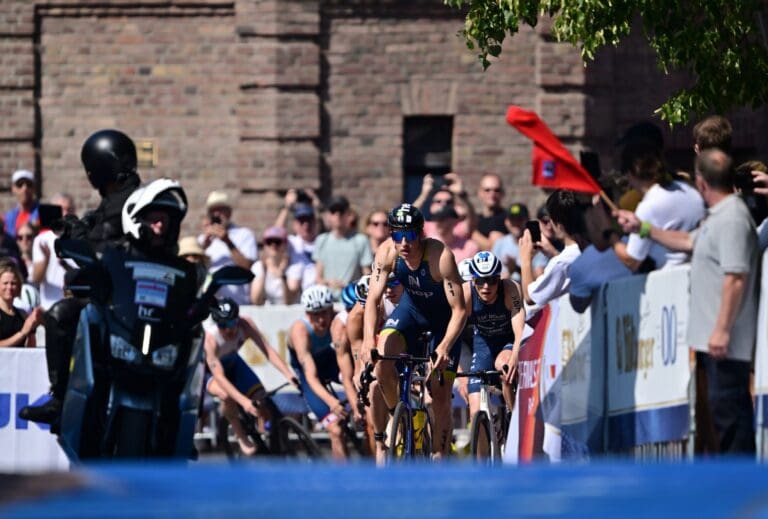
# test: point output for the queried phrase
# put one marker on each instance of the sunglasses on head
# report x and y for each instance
(273, 241)
(490, 281)
(408, 234)
(230, 323)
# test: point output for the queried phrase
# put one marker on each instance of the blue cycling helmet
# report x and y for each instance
(484, 264)
(348, 296)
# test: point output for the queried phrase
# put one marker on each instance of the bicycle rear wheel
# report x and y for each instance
(399, 449)
(296, 441)
(425, 450)
(480, 434)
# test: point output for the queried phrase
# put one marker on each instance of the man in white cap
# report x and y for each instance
(226, 243)
(23, 188)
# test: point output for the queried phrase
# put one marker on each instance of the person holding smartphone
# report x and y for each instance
(566, 210)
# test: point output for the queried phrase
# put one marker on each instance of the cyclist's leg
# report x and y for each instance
(231, 414)
(399, 328)
(441, 402)
(508, 390)
(324, 415)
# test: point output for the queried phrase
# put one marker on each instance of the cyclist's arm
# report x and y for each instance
(449, 273)
(253, 333)
(382, 266)
(344, 359)
(212, 359)
(300, 342)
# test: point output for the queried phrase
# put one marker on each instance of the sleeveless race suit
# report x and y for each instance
(493, 332)
(423, 307)
(237, 371)
(324, 356)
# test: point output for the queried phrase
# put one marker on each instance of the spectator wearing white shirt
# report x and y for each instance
(47, 270)
(227, 244)
(667, 203)
(566, 210)
(272, 284)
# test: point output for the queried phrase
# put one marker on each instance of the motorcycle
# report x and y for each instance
(136, 370)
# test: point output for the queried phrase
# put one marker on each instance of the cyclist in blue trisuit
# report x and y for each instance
(232, 380)
(317, 362)
(495, 310)
(433, 301)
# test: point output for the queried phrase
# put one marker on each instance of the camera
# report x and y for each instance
(216, 220)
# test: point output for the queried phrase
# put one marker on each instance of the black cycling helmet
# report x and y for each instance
(108, 156)
(225, 310)
(405, 216)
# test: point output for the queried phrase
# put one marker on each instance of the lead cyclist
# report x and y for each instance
(433, 301)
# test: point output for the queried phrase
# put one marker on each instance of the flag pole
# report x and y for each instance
(608, 201)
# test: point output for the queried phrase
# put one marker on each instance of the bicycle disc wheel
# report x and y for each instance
(296, 441)
(398, 438)
(480, 434)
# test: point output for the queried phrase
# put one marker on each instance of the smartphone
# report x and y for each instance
(215, 219)
(50, 215)
(535, 229)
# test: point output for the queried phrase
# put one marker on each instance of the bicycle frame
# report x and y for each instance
(494, 419)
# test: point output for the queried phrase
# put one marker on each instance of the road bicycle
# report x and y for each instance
(490, 423)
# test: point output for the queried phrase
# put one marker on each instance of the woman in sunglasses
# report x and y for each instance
(232, 380)
(494, 307)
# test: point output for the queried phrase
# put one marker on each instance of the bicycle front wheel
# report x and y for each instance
(399, 448)
(296, 441)
(480, 434)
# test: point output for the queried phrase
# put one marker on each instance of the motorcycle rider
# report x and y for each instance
(109, 159)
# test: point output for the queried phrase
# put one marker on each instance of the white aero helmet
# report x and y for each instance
(484, 264)
(163, 193)
(464, 272)
(316, 298)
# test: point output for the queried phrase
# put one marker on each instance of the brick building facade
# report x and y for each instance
(257, 96)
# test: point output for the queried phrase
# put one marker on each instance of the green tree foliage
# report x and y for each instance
(721, 44)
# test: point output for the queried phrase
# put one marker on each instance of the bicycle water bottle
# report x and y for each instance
(419, 420)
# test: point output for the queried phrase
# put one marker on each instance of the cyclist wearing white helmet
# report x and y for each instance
(316, 361)
(432, 302)
(495, 309)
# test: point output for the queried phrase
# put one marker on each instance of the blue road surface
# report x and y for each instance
(266, 490)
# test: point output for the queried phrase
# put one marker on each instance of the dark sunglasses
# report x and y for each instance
(273, 242)
(442, 200)
(392, 283)
(21, 237)
(409, 235)
(24, 182)
(306, 219)
(379, 224)
(492, 189)
(230, 323)
(490, 281)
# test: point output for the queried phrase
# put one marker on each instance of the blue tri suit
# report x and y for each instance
(423, 307)
(493, 333)
(324, 356)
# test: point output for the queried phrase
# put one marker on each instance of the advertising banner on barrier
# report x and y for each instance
(647, 361)
(535, 424)
(583, 379)
(25, 446)
(274, 322)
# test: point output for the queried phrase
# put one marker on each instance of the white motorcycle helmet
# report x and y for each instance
(165, 194)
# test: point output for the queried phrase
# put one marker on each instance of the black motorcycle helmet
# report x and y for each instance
(108, 156)
(226, 310)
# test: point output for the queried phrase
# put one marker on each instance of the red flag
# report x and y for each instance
(553, 166)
